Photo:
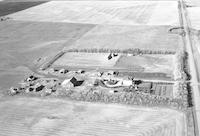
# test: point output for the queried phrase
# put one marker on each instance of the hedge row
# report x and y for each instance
(135, 51)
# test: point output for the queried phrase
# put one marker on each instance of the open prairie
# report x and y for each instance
(61, 117)
(129, 37)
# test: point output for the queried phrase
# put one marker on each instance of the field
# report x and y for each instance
(23, 43)
(129, 37)
(101, 12)
(194, 17)
(12, 7)
(19, 117)
(148, 63)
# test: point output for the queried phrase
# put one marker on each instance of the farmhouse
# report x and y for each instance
(73, 82)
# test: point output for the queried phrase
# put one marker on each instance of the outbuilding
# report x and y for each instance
(63, 71)
(109, 56)
(39, 88)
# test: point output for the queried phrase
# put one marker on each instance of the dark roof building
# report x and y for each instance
(39, 88)
(75, 82)
(109, 56)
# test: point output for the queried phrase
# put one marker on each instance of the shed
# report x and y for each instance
(115, 54)
(137, 82)
(80, 71)
(109, 56)
(39, 88)
(31, 78)
(63, 71)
